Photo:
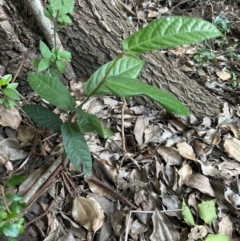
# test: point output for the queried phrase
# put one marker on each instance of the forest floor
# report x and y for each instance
(154, 162)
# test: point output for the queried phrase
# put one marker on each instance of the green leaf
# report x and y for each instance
(127, 87)
(5, 79)
(61, 66)
(45, 51)
(43, 116)
(88, 122)
(207, 211)
(12, 86)
(76, 148)
(11, 93)
(64, 19)
(43, 64)
(10, 230)
(187, 215)
(15, 180)
(13, 197)
(52, 90)
(17, 207)
(65, 54)
(170, 32)
(36, 62)
(217, 237)
(126, 67)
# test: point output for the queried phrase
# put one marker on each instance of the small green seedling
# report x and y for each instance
(11, 224)
(207, 212)
(118, 77)
(8, 91)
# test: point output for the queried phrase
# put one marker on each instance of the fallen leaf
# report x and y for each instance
(10, 117)
(186, 151)
(170, 155)
(232, 147)
(88, 213)
(224, 75)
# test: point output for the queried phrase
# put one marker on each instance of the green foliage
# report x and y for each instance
(217, 237)
(77, 148)
(88, 123)
(43, 116)
(11, 224)
(204, 54)
(169, 32)
(52, 90)
(8, 90)
(187, 215)
(126, 87)
(207, 211)
(222, 24)
(119, 77)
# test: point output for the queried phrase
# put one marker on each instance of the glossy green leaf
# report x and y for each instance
(17, 207)
(88, 122)
(187, 215)
(43, 116)
(217, 237)
(45, 51)
(11, 93)
(10, 230)
(127, 87)
(207, 211)
(15, 180)
(170, 32)
(126, 67)
(5, 79)
(13, 197)
(52, 90)
(76, 148)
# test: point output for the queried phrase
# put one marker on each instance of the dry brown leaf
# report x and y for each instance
(140, 126)
(10, 117)
(170, 155)
(163, 229)
(184, 172)
(26, 133)
(232, 147)
(224, 75)
(197, 233)
(186, 151)
(88, 213)
(226, 226)
(201, 183)
(118, 221)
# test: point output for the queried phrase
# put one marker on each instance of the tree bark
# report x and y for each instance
(95, 38)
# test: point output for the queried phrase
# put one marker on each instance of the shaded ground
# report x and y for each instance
(158, 160)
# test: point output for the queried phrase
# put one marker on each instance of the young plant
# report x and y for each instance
(118, 77)
(11, 224)
(207, 212)
(9, 95)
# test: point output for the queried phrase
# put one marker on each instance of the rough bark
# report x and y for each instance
(95, 38)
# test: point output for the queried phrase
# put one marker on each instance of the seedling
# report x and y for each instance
(118, 77)
(207, 212)
(8, 92)
(11, 224)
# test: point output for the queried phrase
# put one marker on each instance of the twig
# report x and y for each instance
(31, 193)
(122, 125)
(21, 65)
(117, 194)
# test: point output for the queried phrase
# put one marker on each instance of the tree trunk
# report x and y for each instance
(95, 38)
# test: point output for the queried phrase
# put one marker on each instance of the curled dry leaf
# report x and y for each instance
(186, 151)
(232, 147)
(170, 155)
(10, 117)
(201, 183)
(226, 226)
(88, 213)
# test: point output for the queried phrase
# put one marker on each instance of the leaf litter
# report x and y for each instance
(157, 162)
